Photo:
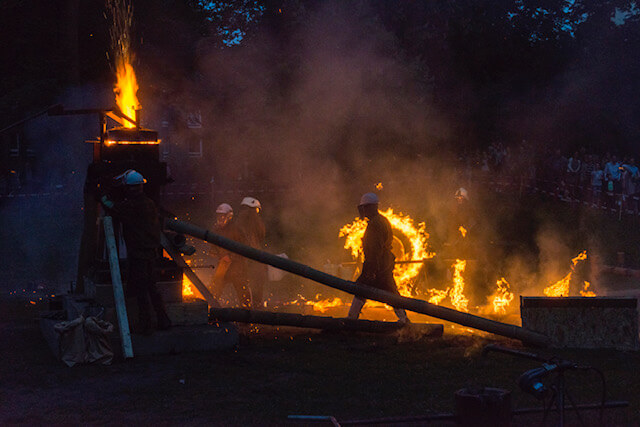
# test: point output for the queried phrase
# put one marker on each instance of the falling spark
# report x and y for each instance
(463, 231)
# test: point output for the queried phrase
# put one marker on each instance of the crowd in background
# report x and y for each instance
(607, 181)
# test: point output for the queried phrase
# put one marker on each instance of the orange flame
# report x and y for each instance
(503, 297)
(379, 186)
(404, 274)
(463, 231)
(561, 287)
(437, 295)
(586, 293)
(458, 300)
(126, 90)
(126, 87)
(187, 287)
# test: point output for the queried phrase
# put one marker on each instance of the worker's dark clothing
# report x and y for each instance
(377, 269)
(141, 229)
(237, 271)
(253, 234)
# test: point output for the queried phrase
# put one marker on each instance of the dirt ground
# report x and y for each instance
(277, 372)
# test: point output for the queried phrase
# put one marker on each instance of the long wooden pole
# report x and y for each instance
(191, 275)
(326, 323)
(411, 304)
(118, 292)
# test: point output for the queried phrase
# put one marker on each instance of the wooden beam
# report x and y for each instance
(367, 292)
(262, 317)
(191, 275)
(118, 293)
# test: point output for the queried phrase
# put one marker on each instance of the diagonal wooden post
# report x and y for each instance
(118, 292)
(177, 257)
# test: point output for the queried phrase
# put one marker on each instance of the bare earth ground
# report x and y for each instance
(278, 372)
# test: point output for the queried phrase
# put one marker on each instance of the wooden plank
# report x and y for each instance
(243, 315)
(177, 257)
(118, 292)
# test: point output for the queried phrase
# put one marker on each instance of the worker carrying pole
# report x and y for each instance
(366, 292)
(377, 269)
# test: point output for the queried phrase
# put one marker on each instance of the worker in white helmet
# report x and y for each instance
(231, 267)
(141, 229)
(377, 269)
(252, 226)
(224, 214)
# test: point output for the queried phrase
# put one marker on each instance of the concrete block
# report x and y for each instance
(189, 312)
(583, 322)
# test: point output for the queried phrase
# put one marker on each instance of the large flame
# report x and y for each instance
(126, 90)
(503, 297)
(458, 300)
(416, 235)
(126, 87)
(561, 287)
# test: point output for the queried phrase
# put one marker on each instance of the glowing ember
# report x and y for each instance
(379, 186)
(586, 293)
(404, 274)
(502, 297)
(458, 300)
(463, 231)
(561, 287)
(126, 87)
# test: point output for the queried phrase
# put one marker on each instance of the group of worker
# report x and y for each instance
(247, 277)
(142, 230)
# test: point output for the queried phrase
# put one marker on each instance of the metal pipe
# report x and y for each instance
(411, 304)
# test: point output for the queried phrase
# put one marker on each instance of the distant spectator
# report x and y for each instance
(597, 175)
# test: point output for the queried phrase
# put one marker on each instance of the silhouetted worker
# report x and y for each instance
(377, 269)
(253, 229)
(141, 228)
(231, 266)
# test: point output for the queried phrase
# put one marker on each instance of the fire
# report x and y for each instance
(463, 231)
(502, 297)
(324, 305)
(404, 274)
(126, 87)
(561, 287)
(125, 90)
(458, 300)
(437, 295)
(379, 186)
(585, 293)
(187, 287)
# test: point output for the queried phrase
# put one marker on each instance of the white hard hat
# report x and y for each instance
(251, 202)
(224, 208)
(369, 199)
(462, 193)
(131, 177)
